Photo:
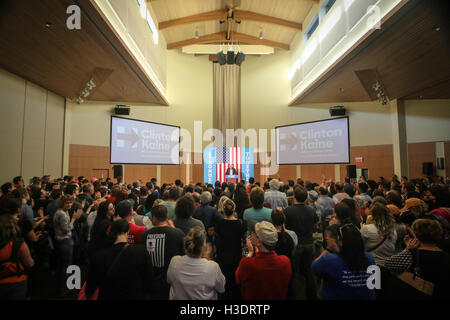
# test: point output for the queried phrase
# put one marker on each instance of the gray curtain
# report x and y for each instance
(227, 97)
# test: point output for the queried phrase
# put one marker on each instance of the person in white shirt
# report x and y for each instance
(340, 194)
(192, 276)
(380, 236)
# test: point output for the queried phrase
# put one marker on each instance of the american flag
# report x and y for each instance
(225, 157)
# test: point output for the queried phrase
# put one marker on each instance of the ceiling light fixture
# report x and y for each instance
(380, 93)
(196, 33)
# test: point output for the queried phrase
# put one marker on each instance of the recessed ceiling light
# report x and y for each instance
(49, 24)
(437, 28)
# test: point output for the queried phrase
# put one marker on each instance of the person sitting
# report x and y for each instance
(192, 277)
(343, 265)
(424, 258)
(263, 274)
(122, 271)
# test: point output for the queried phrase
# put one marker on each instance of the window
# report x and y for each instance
(311, 28)
(327, 6)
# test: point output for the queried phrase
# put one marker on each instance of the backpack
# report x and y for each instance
(11, 267)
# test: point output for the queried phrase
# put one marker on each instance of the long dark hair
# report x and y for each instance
(118, 227)
(102, 215)
(9, 230)
(241, 199)
(352, 249)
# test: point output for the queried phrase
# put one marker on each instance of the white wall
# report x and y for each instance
(31, 129)
(266, 94)
(427, 120)
(189, 92)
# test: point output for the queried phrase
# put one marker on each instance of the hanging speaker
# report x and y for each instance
(118, 171)
(337, 111)
(351, 171)
(221, 58)
(230, 57)
(240, 57)
(122, 110)
(427, 168)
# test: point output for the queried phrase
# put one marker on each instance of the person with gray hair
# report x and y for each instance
(207, 214)
(274, 196)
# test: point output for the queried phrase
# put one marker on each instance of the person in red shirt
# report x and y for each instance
(263, 274)
(124, 210)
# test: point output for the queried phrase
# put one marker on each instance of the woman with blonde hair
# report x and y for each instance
(380, 236)
(193, 276)
(221, 203)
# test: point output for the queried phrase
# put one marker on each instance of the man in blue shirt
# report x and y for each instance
(207, 214)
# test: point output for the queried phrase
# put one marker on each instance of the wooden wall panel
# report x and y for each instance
(285, 173)
(88, 161)
(378, 159)
(171, 173)
(134, 172)
(197, 173)
(315, 172)
(418, 153)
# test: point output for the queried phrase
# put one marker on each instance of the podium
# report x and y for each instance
(232, 178)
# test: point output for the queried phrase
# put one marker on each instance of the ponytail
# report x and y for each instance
(194, 241)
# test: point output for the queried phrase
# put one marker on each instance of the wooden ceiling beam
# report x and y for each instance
(224, 14)
(220, 14)
(257, 17)
(246, 39)
(209, 38)
(221, 37)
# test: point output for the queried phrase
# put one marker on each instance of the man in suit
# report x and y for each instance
(231, 171)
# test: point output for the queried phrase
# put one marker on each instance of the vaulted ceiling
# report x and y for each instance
(223, 21)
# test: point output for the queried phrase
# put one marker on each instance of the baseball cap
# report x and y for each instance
(265, 231)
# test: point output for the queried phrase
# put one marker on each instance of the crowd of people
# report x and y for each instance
(247, 241)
